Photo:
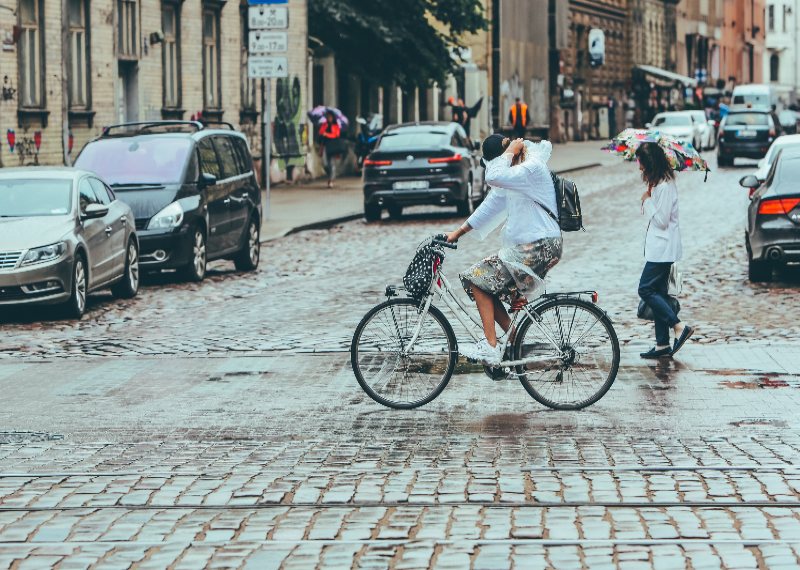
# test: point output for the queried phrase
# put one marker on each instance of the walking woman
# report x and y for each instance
(330, 136)
(521, 189)
(662, 248)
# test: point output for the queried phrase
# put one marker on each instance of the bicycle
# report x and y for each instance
(404, 350)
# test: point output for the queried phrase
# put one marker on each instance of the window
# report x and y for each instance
(212, 97)
(79, 83)
(208, 158)
(31, 60)
(786, 11)
(127, 33)
(245, 159)
(771, 18)
(87, 195)
(149, 160)
(248, 85)
(774, 66)
(226, 156)
(171, 53)
(100, 191)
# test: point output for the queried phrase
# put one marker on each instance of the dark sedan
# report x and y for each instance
(773, 218)
(422, 163)
(747, 133)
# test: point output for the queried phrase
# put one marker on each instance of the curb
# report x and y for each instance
(327, 223)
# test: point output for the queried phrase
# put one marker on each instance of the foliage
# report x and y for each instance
(403, 41)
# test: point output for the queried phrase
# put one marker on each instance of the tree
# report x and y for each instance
(404, 41)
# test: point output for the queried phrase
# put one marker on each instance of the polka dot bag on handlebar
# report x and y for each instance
(419, 275)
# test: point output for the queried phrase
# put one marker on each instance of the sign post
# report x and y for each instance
(262, 17)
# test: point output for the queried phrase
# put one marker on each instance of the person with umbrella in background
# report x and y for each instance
(330, 140)
(659, 156)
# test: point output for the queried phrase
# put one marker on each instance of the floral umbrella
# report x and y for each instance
(681, 154)
(317, 115)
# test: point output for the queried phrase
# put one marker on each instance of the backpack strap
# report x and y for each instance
(549, 213)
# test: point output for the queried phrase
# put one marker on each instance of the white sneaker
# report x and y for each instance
(483, 352)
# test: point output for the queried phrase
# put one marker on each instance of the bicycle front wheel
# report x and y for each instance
(576, 352)
(387, 370)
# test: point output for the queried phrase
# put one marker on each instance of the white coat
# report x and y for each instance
(663, 239)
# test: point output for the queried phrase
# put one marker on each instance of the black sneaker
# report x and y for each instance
(657, 353)
(687, 332)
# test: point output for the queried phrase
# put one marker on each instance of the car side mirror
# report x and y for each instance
(749, 181)
(207, 179)
(648, 125)
(93, 211)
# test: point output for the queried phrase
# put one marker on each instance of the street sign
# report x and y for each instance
(267, 66)
(263, 42)
(268, 17)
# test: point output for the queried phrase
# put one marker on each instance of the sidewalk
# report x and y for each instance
(295, 208)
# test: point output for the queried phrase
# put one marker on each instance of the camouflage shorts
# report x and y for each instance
(493, 276)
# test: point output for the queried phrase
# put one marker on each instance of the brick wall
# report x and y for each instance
(107, 86)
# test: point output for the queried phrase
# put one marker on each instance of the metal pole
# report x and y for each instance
(264, 169)
(268, 143)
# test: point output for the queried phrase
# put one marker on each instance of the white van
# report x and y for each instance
(755, 95)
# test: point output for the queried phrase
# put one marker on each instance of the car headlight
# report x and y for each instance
(43, 254)
(169, 217)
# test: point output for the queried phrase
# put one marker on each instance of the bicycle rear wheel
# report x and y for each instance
(386, 371)
(578, 372)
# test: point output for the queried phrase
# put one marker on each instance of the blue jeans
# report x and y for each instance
(653, 288)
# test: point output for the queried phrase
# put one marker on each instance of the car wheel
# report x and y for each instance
(395, 212)
(195, 270)
(76, 305)
(759, 271)
(465, 207)
(128, 286)
(372, 213)
(247, 258)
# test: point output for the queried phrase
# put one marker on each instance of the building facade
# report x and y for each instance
(781, 65)
(600, 89)
(71, 67)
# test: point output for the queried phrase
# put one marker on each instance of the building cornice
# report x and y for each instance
(598, 9)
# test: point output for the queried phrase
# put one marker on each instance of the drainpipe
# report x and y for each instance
(65, 83)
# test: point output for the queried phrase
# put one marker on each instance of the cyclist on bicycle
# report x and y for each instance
(521, 185)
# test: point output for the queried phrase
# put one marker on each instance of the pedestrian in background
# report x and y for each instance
(519, 118)
(330, 140)
(662, 248)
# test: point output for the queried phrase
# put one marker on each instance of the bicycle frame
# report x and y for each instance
(441, 288)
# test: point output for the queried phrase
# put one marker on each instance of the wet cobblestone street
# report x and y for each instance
(219, 424)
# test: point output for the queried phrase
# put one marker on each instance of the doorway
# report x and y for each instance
(128, 91)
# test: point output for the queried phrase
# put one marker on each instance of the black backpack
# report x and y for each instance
(569, 217)
(419, 275)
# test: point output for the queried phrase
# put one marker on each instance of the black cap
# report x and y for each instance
(492, 147)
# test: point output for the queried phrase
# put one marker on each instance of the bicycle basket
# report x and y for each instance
(419, 275)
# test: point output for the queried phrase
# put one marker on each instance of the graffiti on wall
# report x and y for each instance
(289, 126)
(26, 147)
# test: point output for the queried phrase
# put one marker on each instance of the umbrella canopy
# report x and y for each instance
(681, 154)
(317, 115)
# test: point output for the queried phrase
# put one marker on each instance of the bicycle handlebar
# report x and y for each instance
(441, 240)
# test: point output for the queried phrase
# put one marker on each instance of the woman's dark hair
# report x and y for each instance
(655, 166)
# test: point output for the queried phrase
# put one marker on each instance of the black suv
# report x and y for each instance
(192, 190)
(746, 132)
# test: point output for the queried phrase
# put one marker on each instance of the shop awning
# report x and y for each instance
(665, 78)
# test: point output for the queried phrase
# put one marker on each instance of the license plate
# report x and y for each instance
(747, 134)
(411, 185)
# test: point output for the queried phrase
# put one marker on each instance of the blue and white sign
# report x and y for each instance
(268, 17)
(262, 2)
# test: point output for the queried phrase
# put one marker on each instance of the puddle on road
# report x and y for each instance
(758, 422)
(502, 424)
(755, 382)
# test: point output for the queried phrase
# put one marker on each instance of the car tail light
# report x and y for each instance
(454, 158)
(778, 206)
(369, 162)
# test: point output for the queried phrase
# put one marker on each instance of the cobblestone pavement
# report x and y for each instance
(219, 425)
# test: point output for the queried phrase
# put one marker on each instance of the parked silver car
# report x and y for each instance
(63, 234)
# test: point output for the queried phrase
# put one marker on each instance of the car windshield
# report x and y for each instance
(776, 146)
(413, 139)
(747, 119)
(673, 121)
(32, 197)
(147, 160)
